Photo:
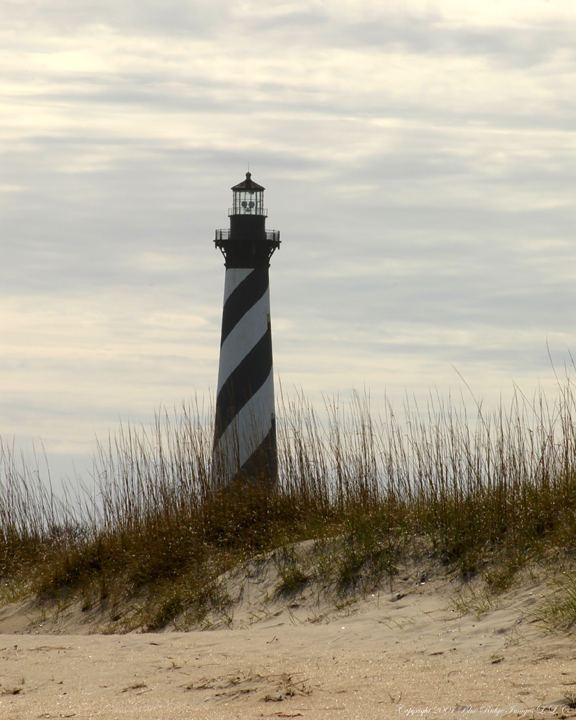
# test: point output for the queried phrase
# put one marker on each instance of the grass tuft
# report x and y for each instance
(558, 611)
(292, 571)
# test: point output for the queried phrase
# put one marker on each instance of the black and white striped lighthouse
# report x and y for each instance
(245, 428)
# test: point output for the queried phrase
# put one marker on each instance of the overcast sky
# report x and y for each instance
(419, 159)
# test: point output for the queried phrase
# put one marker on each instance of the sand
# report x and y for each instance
(402, 652)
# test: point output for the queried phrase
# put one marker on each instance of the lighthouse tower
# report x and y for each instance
(245, 429)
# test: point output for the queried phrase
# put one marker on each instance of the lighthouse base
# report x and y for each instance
(242, 455)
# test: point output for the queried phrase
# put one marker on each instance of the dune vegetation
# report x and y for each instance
(147, 539)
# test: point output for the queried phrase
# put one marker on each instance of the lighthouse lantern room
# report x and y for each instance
(248, 198)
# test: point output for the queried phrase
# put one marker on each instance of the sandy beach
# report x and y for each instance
(404, 651)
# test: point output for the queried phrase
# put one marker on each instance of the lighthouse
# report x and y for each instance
(245, 427)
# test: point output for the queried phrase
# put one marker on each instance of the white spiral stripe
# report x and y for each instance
(245, 335)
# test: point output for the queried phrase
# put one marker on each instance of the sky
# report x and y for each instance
(419, 159)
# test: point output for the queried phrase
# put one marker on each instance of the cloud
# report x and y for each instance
(127, 16)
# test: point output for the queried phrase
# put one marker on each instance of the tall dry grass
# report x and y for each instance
(152, 528)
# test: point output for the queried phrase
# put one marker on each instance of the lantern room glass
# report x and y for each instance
(248, 202)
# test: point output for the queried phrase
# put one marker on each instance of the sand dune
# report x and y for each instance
(401, 652)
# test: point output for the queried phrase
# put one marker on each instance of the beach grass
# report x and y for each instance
(147, 538)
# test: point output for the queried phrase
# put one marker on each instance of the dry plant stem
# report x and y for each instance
(484, 494)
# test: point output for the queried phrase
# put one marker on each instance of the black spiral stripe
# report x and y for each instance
(243, 382)
(242, 299)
